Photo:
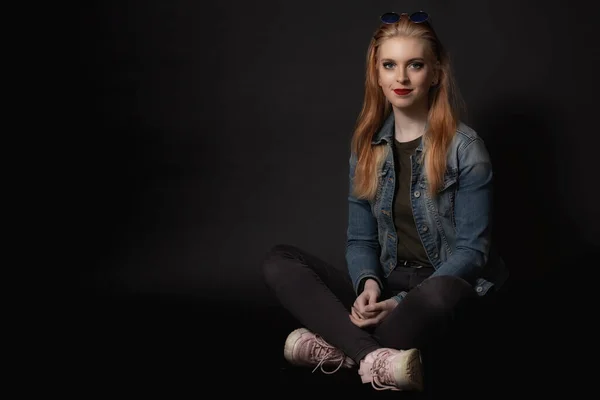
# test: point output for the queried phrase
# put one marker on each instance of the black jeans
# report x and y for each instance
(319, 296)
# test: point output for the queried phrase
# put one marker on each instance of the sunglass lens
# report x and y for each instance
(390, 18)
(419, 16)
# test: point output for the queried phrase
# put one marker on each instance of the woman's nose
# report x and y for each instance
(401, 77)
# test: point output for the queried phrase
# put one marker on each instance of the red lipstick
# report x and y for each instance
(402, 92)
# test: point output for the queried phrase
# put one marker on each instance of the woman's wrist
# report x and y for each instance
(372, 284)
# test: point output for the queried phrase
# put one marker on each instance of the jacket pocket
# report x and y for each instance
(443, 203)
(450, 179)
(381, 180)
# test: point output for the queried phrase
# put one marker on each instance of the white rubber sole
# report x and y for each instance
(290, 344)
(408, 370)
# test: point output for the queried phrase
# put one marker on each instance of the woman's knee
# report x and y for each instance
(274, 263)
(446, 292)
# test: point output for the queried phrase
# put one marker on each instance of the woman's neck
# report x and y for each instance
(409, 125)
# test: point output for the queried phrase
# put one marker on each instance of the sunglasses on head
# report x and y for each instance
(416, 17)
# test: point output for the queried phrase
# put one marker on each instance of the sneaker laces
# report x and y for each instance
(381, 371)
(322, 352)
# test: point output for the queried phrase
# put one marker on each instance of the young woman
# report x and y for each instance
(419, 224)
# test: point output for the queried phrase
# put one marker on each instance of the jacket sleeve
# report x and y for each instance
(472, 212)
(362, 244)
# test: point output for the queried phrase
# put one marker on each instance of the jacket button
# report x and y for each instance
(424, 229)
(479, 289)
(417, 193)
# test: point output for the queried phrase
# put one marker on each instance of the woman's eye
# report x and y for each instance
(386, 65)
(417, 65)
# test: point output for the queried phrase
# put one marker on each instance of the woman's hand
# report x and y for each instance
(369, 296)
(373, 313)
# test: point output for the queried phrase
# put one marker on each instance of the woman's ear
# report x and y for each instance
(438, 72)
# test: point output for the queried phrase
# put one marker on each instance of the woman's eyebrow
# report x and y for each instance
(411, 60)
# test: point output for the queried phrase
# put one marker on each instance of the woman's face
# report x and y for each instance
(406, 72)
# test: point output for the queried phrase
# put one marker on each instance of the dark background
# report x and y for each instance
(211, 131)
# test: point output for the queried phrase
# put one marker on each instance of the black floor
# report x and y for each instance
(181, 347)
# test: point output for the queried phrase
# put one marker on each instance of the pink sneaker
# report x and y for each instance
(302, 347)
(390, 369)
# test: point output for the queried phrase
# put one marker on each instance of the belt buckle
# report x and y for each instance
(411, 265)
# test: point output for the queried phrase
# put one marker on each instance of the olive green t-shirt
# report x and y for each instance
(409, 243)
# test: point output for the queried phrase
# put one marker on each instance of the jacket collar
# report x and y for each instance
(386, 132)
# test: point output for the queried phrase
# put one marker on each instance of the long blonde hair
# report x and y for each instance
(445, 105)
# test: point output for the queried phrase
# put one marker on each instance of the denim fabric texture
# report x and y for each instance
(454, 226)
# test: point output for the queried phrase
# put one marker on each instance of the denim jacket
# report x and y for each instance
(454, 226)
